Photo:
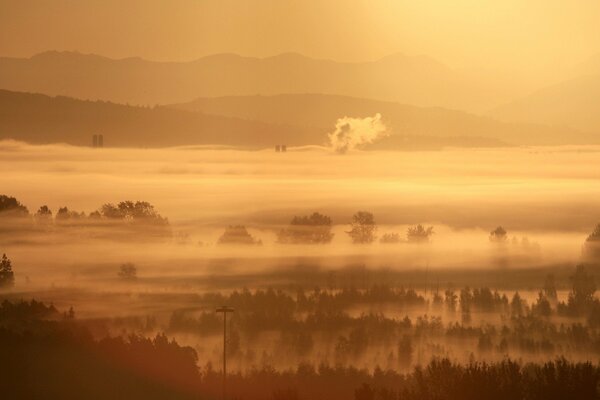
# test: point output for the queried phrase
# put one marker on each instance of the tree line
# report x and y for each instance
(46, 354)
(139, 216)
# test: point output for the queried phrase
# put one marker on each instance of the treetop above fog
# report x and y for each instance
(498, 235)
(310, 229)
(363, 227)
(238, 234)
(595, 235)
(419, 233)
(10, 206)
(140, 211)
(7, 276)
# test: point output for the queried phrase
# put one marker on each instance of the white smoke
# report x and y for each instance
(353, 133)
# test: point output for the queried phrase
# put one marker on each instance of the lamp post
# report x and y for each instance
(224, 310)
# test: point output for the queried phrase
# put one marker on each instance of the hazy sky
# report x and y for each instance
(491, 33)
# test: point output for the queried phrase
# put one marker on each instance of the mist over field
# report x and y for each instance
(284, 200)
(464, 194)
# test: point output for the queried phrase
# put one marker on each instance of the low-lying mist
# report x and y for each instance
(543, 197)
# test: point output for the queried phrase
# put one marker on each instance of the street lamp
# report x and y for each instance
(224, 310)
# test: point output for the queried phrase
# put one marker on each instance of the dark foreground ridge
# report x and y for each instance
(46, 354)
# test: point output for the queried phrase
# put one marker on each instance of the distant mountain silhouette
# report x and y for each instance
(37, 118)
(417, 80)
(253, 122)
(321, 111)
(573, 103)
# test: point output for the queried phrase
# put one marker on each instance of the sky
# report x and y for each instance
(507, 34)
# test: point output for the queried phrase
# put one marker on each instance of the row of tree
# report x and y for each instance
(317, 229)
(46, 354)
(129, 214)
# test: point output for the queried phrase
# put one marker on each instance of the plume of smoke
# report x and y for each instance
(353, 133)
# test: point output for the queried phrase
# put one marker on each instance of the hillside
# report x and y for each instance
(416, 80)
(39, 118)
(573, 103)
(254, 122)
(319, 112)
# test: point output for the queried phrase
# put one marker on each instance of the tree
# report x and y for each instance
(362, 228)
(43, 215)
(450, 299)
(139, 216)
(128, 271)
(595, 235)
(591, 247)
(11, 207)
(550, 288)
(237, 234)
(542, 306)
(64, 214)
(390, 238)
(582, 293)
(498, 235)
(419, 234)
(7, 276)
(312, 229)
(139, 211)
(516, 305)
(405, 351)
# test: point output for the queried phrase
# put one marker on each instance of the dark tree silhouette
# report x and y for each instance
(390, 238)
(312, 229)
(43, 215)
(140, 217)
(362, 228)
(139, 211)
(498, 235)
(405, 351)
(7, 276)
(542, 306)
(591, 247)
(582, 294)
(550, 287)
(64, 214)
(516, 305)
(237, 234)
(595, 235)
(128, 271)
(11, 207)
(419, 234)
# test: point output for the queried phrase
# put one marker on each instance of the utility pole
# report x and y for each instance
(224, 310)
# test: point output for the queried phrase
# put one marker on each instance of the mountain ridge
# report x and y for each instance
(418, 80)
